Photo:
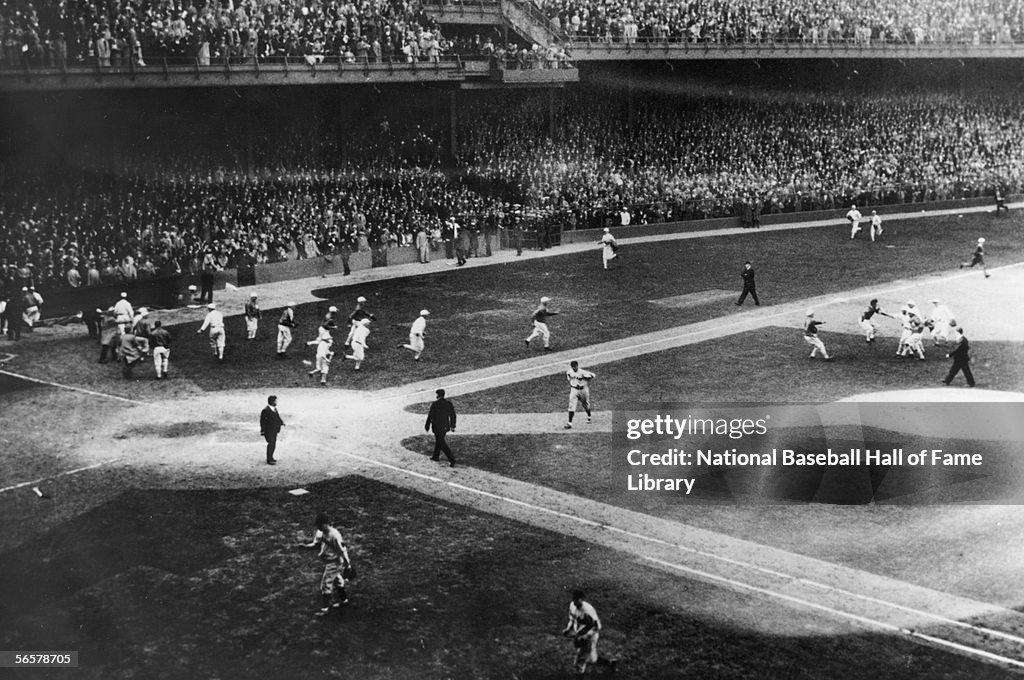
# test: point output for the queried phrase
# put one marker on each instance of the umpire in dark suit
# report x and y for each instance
(961, 360)
(749, 285)
(270, 426)
(441, 419)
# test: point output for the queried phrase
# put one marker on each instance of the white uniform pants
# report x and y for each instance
(540, 330)
(815, 342)
(284, 338)
(161, 360)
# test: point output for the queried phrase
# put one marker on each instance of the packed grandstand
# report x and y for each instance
(51, 33)
(165, 192)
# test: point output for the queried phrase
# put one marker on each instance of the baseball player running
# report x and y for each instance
(214, 321)
(811, 336)
(867, 322)
(416, 333)
(854, 217)
(978, 258)
(324, 353)
(579, 391)
(357, 315)
(359, 345)
(876, 225)
(540, 326)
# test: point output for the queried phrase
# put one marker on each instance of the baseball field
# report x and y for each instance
(145, 532)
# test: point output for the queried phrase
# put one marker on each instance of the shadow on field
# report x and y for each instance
(184, 584)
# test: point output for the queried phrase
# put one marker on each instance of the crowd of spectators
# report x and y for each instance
(587, 159)
(862, 22)
(699, 157)
(119, 32)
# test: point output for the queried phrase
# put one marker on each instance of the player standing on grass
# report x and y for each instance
(540, 325)
(359, 345)
(876, 225)
(334, 555)
(160, 341)
(854, 217)
(324, 353)
(585, 627)
(579, 391)
(215, 322)
(416, 333)
(867, 323)
(252, 317)
(811, 336)
(978, 257)
(609, 248)
(284, 330)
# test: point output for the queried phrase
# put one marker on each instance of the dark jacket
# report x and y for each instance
(441, 417)
(960, 353)
(270, 422)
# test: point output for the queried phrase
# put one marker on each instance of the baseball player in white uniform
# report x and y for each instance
(579, 391)
(811, 336)
(123, 313)
(334, 555)
(324, 353)
(214, 321)
(252, 317)
(942, 323)
(584, 628)
(914, 342)
(609, 247)
(359, 346)
(876, 225)
(416, 333)
(854, 216)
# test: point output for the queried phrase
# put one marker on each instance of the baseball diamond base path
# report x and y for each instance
(337, 432)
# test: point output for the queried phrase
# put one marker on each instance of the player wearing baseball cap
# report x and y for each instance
(416, 333)
(811, 336)
(357, 315)
(284, 330)
(252, 316)
(540, 325)
(978, 257)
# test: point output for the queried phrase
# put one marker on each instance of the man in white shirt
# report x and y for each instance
(416, 333)
(854, 217)
(214, 321)
(579, 391)
(609, 247)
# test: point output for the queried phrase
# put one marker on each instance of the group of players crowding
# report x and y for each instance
(135, 337)
(914, 323)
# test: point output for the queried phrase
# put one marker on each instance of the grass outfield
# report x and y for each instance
(770, 365)
(162, 584)
(480, 316)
